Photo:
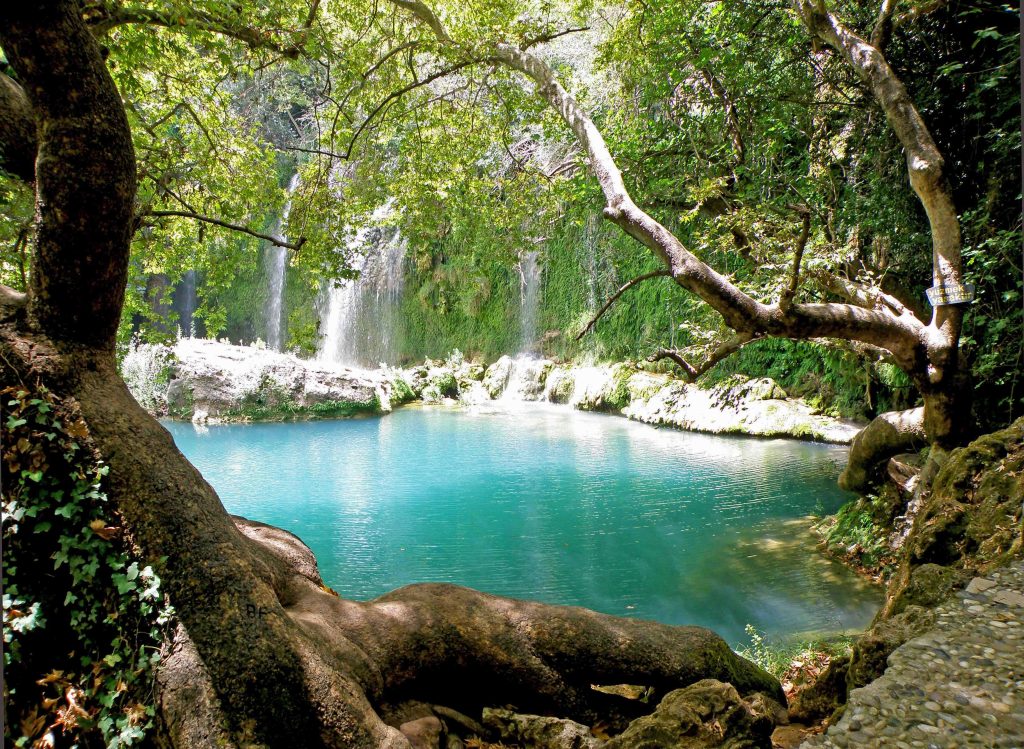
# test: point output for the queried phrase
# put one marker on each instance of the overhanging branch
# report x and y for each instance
(724, 350)
(103, 17)
(294, 246)
(622, 290)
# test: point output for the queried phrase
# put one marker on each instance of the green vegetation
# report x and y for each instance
(83, 615)
(859, 533)
(785, 661)
(257, 408)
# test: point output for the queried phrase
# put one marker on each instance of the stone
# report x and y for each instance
(539, 731)
(979, 585)
(820, 699)
(1009, 598)
(423, 733)
(707, 714)
(496, 376)
(211, 381)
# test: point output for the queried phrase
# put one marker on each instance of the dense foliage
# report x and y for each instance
(82, 616)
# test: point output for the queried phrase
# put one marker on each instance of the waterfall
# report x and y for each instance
(529, 296)
(186, 303)
(359, 316)
(276, 260)
(524, 366)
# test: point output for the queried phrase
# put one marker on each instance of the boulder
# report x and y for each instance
(707, 714)
(559, 385)
(496, 376)
(539, 731)
(824, 696)
(754, 407)
(872, 649)
(888, 434)
(971, 518)
(244, 383)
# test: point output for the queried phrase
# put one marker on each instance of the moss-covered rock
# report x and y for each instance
(707, 714)
(972, 516)
(559, 385)
(872, 649)
(218, 381)
(496, 376)
(822, 698)
(925, 586)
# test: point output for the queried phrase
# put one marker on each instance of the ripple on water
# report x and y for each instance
(555, 505)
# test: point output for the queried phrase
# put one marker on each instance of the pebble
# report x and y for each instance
(972, 687)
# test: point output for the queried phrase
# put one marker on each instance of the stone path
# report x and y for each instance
(958, 686)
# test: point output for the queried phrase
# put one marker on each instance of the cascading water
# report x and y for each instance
(529, 296)
(276, 259)
(186, 303)
(359, 317)
(529, 305)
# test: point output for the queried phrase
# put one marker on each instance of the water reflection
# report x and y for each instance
(555, 505)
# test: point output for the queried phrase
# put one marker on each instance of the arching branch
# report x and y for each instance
(724, 350)
(622, 290)
(741, 312)
(103, 17)
(278, 241)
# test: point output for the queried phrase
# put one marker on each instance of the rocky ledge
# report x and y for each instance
(212, 381)
(209, 380)
(739, 405)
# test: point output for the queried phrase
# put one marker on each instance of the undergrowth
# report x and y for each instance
(794, 664)
(83, 616)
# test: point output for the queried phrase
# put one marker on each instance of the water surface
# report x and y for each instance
(551, 504)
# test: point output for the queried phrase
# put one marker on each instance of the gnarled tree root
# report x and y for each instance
(888, 434)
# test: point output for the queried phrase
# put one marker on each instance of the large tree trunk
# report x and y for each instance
(265, 655)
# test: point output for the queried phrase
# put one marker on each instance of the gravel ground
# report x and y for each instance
(958, 686)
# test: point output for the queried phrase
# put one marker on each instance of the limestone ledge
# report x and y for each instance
(739, 405)
(209, 381)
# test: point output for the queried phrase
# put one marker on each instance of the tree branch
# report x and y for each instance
(725, 350)
(622, 290)
(902, 335)
(425, 14)
(103, 17)
(925, 164)
(278, 241)
(395, 95)
(883, 26)
(786, 301)
(544, 38)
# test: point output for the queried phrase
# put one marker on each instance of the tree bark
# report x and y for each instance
(264, 651)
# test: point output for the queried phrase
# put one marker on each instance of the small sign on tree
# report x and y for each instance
(951, 294)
